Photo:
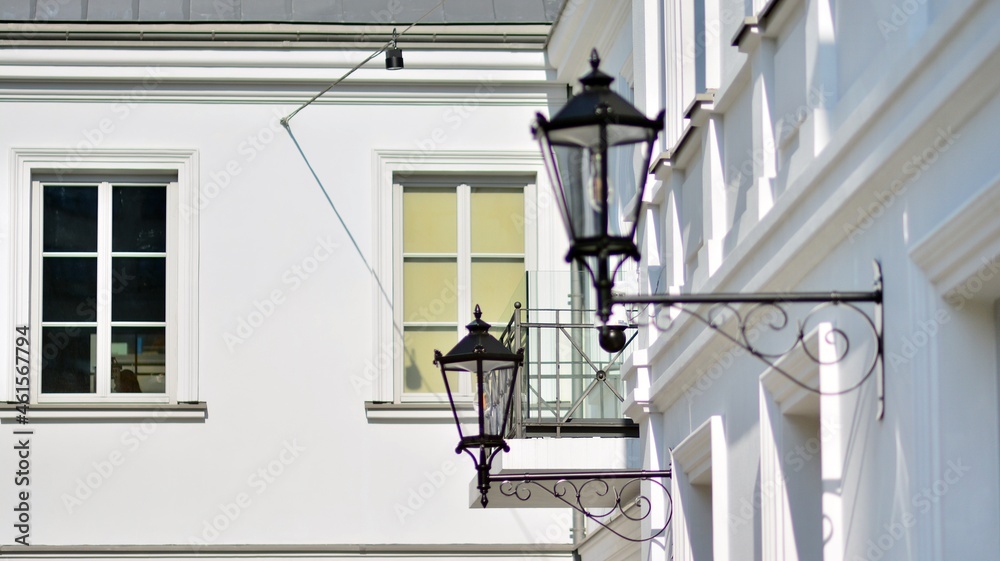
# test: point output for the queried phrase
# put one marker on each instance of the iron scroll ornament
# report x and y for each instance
(722, 311)
(570, 488)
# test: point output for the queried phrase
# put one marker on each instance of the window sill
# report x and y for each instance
(416, 412)
(105, 412)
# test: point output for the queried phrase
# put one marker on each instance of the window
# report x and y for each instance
(792, 438)
(104, 249)
(464, 229)
(701, 516)
(100, 267)
(461, 245)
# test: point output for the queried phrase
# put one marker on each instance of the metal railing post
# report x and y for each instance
(525, 394)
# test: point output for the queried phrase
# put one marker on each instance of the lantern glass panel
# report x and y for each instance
(496, 392)
(583, 193)
(590, 136)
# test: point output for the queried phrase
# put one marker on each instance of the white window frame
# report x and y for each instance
(384, 371)
(700, 461)
(464, 259)
(182, 219)
(784, 404)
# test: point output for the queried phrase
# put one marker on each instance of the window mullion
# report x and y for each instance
(171, 360)
(103, 375)
(464, 208)
(398, 342)
(36, 290)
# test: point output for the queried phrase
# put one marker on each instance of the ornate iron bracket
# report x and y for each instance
(571, 488)
(770, 311)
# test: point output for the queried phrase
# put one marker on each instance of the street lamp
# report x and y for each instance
(495, 368)
(580, 135)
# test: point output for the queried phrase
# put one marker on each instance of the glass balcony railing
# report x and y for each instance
(569, 386)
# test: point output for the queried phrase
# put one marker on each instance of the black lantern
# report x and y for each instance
(595, 125)
(495, 370)
(393, 54)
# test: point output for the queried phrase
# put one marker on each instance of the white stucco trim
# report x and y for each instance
(387, 163)
(781, 401)
(964, 244)
(266, 76)
(699, 461)
(182, 318)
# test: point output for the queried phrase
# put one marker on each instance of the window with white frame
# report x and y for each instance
(101, 266)
(105, 253)
(700, 493)
(451, 229)
(461, 243)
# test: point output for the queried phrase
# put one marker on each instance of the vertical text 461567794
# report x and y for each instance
(22, 448)
(22, 357)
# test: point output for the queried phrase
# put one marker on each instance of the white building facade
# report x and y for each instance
(805, 141)
(208, 300)
(265, 307)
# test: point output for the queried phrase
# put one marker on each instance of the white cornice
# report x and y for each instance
(584, 25)
(329, 59)
(964, 242)
(225, 35)
(693, 455)
(430, 77)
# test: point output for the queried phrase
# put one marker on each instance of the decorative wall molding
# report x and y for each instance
(178, 75)
(784, 263)
(964, 243)
(385, 164)
(25, 162)
(700, 462)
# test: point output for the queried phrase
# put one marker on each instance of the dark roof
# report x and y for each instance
(284, 11)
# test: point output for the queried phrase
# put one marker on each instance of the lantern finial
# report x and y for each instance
(595, 60)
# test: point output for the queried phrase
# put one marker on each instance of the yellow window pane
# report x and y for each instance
(497, 218)
(496, 286)
(420, 375)
(430, 291)
(429, 221)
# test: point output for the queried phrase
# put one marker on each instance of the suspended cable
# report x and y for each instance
(380, 50)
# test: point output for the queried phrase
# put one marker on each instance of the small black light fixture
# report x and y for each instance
(581, 134)
(495, 370)
(393, 54)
